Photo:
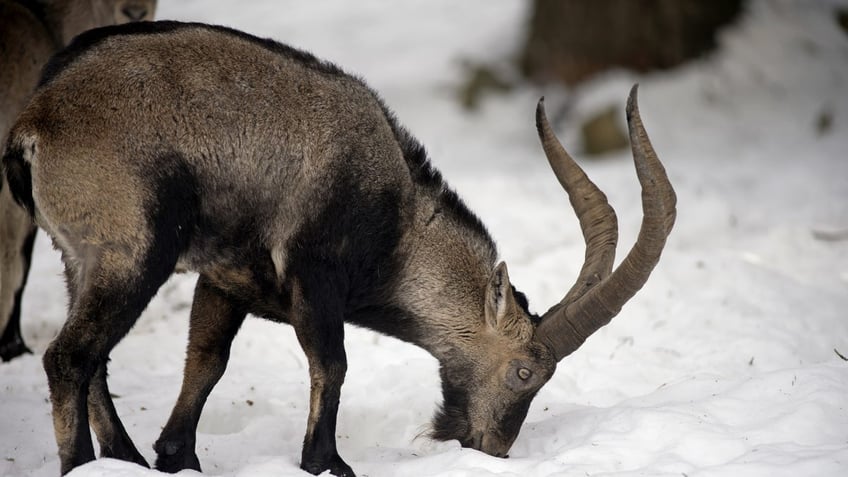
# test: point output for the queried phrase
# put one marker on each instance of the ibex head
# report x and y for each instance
(126, 11)
(68, 18)
(489, 383)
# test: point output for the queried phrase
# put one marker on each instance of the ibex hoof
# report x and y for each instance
(335, 465)
(172, 457)
(13, 349)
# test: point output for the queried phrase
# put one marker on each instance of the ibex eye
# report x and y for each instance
(524, 373)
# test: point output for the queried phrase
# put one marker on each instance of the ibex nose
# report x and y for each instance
(488, 443)
(474, 442)
(135, 12)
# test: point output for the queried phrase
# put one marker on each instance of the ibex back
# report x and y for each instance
(296, 195)
(31, 31)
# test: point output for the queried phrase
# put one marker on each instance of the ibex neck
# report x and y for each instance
(443, 262)
(448, 258)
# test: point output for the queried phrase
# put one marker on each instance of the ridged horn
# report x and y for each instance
(598, 294)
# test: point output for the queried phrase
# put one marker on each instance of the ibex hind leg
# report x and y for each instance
(17, 236)
(111, 435)
(108, 293)
(12, 342)
(215, 320)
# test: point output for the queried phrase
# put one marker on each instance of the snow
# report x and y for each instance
(723, 365)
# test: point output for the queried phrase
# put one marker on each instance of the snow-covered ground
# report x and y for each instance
(724, 364)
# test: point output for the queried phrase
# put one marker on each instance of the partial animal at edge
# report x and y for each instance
(31, 31)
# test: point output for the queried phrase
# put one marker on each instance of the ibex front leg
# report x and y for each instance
(319, 325)
(215, 320)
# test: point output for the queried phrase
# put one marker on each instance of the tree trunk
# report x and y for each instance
(569, 41)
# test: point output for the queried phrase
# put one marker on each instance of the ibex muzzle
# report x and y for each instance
(296, 195)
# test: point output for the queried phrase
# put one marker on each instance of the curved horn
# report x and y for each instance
(597, 218)
(598, 296)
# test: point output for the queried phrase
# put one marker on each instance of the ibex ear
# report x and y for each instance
(498, 297)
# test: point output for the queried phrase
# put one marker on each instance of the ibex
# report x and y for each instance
(31, 31)
(295, 194)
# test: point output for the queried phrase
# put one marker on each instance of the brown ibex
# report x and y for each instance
(296, 195)
(31, 31)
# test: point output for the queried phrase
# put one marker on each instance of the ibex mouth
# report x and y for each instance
(490, 443)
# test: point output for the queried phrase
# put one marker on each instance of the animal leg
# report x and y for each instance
(320, 331)
(105, 303)
(111, 435)
(17, 236)
(215, 320)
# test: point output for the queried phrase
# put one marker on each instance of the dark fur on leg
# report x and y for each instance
(215, 320)
(105, 304)
(12, 342)
(111, 435)
(319, 327)
(100, 317)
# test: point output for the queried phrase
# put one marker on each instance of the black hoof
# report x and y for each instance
(174, 456)
(335, 465)
(13, 348)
